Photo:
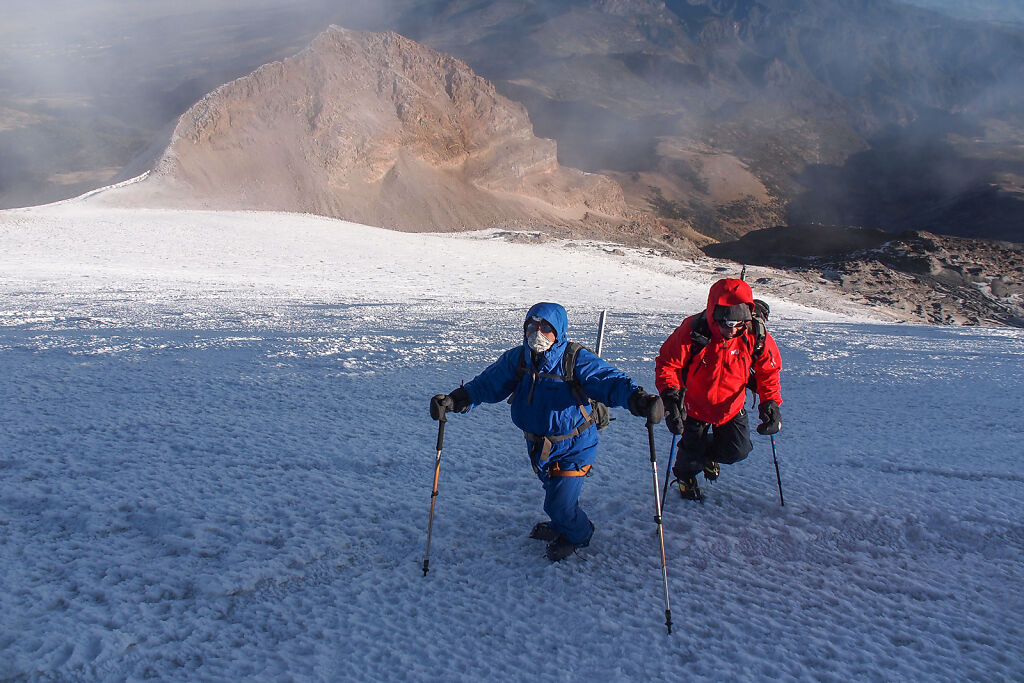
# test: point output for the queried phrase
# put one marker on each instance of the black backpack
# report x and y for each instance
(700, 336)
(599, 413)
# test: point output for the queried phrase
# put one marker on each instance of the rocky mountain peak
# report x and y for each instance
(374, 128)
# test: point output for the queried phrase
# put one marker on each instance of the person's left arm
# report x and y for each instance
(766, 370)
(604, 382)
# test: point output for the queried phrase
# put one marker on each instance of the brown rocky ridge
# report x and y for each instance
(719, 117)
(376, 129)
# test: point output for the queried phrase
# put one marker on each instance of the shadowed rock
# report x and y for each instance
(917, 275)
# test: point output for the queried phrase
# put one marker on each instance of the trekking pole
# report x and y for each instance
(668, 471)
(777, 475)
(657, 520)
(433, 496)
(600, 332)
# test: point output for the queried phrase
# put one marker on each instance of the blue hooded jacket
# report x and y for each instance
(549, 408)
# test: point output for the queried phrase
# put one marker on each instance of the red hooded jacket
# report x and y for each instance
(717, 378)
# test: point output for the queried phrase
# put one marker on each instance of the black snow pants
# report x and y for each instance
(701, 443)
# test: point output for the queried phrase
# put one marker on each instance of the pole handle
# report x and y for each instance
(650, 440)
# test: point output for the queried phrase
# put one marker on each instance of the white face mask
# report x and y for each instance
(538, 342)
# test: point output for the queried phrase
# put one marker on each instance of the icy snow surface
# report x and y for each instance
(216, 463)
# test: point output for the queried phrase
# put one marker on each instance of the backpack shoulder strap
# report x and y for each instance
(700, 336)
(759, 325)
(572, 350)
(520, 371)
(521, 365)
(759, 330)
(568, 373)
(700, 332)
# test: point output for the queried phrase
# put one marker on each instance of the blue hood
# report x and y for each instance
(559, 319)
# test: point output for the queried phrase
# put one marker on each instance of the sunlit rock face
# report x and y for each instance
(374, 128)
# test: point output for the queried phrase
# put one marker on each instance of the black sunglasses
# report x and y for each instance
(542, 325)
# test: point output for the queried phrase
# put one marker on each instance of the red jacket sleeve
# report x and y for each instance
(672, 358)
(766, 371)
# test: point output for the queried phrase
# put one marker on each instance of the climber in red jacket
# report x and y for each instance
(702, 373)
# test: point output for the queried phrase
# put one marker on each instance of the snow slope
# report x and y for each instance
(216, 462)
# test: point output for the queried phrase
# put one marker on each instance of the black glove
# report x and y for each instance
(439, 405)
(675, 413)
(771, 418)
(646, 405)
(461, 399)
(455, 402)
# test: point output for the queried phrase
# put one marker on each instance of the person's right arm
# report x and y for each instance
(496, 382)
(673, 357)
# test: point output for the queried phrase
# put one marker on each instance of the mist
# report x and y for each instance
(805, 100)
(1011, 11)
(84, 86)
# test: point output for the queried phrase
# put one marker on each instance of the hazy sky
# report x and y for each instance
(93, 75)
(993, 10)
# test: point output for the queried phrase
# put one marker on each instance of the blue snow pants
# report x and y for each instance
(561, 503)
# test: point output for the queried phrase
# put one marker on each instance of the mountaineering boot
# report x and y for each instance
(544, 532)
(688, 488)
(711, 470)
(559, 549)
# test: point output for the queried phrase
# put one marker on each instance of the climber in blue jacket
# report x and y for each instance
(557, 417)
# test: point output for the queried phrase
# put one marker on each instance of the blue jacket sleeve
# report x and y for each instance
(603, 382)
(496, 382)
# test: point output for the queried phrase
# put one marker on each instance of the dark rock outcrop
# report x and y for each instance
(917, 275)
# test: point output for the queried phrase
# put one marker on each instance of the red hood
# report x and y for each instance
(727, 292)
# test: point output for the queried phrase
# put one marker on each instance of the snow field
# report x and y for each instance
(224, 471)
